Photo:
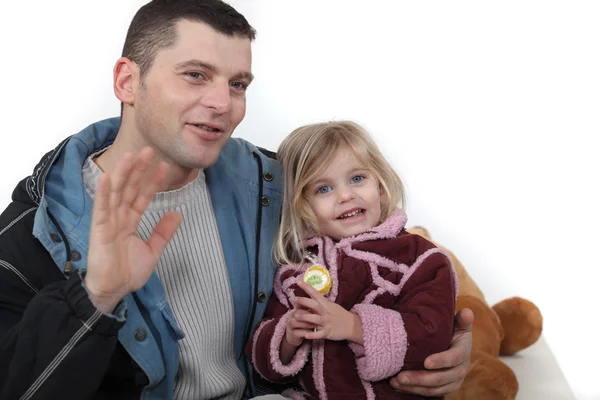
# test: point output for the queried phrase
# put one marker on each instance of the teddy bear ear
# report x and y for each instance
(419, 230)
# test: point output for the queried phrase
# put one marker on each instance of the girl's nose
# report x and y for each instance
(345, 194)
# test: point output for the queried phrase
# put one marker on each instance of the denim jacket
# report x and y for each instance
(245, 187)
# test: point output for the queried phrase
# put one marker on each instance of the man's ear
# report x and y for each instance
(125, 80)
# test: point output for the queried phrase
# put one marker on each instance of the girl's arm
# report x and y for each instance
(420, 325)
(274, 357)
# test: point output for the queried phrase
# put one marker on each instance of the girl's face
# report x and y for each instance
(346, 197)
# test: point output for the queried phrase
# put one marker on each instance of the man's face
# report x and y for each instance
(194, 95)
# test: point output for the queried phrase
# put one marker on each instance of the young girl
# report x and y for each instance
(383, 299)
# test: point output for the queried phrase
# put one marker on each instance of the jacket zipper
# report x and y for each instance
(68, 266)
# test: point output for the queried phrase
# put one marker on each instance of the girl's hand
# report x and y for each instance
(332, 321)
(296, 330)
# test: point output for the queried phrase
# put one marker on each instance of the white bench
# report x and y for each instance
(539, 375)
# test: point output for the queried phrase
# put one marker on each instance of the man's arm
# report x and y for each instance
(62, 335)
(53, 342)
(446, 370)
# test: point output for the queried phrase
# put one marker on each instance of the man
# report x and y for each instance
(83, 312)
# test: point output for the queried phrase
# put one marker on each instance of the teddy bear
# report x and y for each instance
(505, 328)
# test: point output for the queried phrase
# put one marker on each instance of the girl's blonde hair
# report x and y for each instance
(304, 154)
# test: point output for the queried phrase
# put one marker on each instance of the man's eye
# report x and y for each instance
(357, 178)
(194, 75)
(239, 85)
(324, 189)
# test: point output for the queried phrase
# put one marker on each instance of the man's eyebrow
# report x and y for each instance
(209, 67)
(195, 64)
(244, 75)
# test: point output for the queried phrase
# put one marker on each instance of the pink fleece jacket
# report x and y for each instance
(402, 287)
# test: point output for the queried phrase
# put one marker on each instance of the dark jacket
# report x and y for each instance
(54, 344)
(40, 315)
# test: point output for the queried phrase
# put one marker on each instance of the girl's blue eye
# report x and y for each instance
(357, 178)
(324, 189)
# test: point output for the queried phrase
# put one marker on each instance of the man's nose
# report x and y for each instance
(218, 97)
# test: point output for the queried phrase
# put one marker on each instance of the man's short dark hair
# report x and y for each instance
(153, 26)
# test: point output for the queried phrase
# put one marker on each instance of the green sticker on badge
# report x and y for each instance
(314, 280)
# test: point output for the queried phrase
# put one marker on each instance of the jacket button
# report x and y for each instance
(140, 335)
(75, 255)
(55, 238)
(261, 297)
(265, 201)
(268, 176)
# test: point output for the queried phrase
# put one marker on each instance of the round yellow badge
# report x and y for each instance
(318, 277)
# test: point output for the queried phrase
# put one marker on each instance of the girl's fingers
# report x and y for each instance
(305, 302)
(312, 292)
(312, 319)
(296, 324)
(300, 333)
(316, 334)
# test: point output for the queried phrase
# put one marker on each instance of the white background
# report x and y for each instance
(488, 110)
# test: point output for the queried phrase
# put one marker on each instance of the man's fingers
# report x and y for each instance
(100, 210)
(163, 232)
(459, 353)
(456, 355)
(118, 179)
(425, 390)
(464, 319)
(149, 186)
(428, 383)
(141, 163)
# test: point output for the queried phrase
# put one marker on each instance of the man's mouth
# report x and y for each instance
(207, 128)
(351, 214)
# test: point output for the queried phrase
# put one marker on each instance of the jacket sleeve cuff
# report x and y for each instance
(300, 358)
(78, 300)
(385, 342)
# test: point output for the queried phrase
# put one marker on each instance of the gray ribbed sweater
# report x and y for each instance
(193, 271)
